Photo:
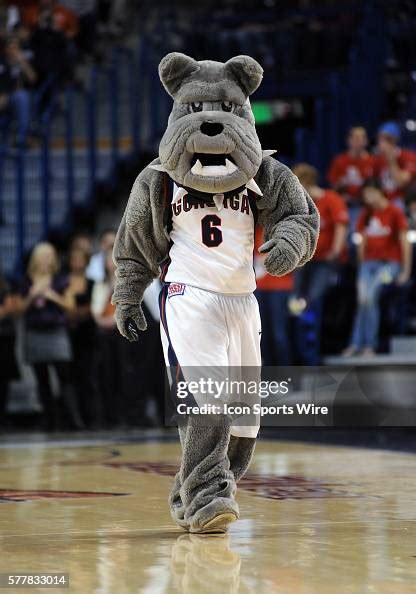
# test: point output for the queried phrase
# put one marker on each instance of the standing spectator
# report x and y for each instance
(273, 296)
(411, 211)
(54, 53)
(8, 366)
(111, 360)
(82, 241)
(384, 254)
(395, 167)
(10, 17)
(126, 386)
(96, 266)
(86, 12)
(44, 307)
(16, 73)
(50, 12)
(349, 170)
(82, 332)
(314, 279)
(113, 16)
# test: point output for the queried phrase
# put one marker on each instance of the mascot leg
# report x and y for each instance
(239, 453)
(202, 497)
(176, 506)
(207, 484)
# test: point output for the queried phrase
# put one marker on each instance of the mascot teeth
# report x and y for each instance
(210, 170)
(197, 169)
(231, 167)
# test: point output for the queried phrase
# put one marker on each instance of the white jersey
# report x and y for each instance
(212, 242)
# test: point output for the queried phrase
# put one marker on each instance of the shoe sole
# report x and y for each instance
(219, 524)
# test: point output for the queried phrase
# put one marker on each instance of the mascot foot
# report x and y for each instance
(215, 517)
(218, 525)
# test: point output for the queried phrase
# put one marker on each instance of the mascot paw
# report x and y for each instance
(130, 319)
(281, 258)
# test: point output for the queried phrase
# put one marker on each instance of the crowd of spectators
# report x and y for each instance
(67, 318)
(65, 310)
(41, 44)
(275, 33)
(368, 217)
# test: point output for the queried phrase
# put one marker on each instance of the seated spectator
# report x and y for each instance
(51, 15)
(384, 255)
(313, 280)
(394, 167)
(44, 307)
(349, 170)
(96, 266)
(273, 296)
(16, 74)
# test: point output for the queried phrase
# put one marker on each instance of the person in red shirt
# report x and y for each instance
(394, 167)
(273, 294)
(384, 253)
(332, 235)
(62, 19)
(349, 170)
(314, 279)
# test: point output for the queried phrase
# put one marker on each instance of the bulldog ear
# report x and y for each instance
(174, 68)
(247, 71)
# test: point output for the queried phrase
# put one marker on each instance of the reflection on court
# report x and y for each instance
(315, 520)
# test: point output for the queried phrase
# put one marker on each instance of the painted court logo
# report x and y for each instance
(175, 289)
(17, 495)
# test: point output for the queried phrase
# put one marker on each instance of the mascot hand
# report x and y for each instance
(130, 319)
(281, 257)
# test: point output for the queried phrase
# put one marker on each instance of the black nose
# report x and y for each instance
(211, 128)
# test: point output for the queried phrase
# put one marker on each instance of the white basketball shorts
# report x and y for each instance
(211, 331)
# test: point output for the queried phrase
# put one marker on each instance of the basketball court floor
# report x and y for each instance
(314, 520)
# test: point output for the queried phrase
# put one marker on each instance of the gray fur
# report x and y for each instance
(230, 453)
(289, 217)
(212, 461)
(210, 83)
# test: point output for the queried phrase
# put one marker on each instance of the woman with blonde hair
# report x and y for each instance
(44, 306)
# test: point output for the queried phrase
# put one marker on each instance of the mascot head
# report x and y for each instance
(210, 143)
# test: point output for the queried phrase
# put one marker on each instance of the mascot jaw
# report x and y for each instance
(208, 165)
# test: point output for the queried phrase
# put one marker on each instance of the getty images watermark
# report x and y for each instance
(222, 390)
(294, 396)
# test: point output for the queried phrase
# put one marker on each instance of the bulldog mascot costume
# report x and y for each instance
(190, 220)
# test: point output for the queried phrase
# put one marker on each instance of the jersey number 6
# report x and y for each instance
(211, 233)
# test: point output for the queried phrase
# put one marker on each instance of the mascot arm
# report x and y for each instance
(289, 217)
(137, 253)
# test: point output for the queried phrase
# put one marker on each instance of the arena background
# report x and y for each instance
(86, 458)
(96, 114)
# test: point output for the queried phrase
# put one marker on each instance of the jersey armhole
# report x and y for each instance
(167, 202)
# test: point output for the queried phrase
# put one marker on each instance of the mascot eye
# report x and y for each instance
(197, 106)
(227, 106)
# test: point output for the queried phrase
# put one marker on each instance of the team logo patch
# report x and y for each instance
(176, 289)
